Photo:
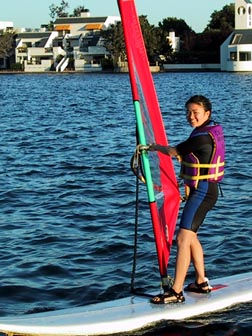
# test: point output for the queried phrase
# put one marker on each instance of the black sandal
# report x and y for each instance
(169, 296)
(198, 288)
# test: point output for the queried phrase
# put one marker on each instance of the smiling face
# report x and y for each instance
(196, 114)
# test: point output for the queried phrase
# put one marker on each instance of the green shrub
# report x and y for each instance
(16, 67)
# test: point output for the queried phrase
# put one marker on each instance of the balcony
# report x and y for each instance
(49, 50)
(36, 51)
(22, 50)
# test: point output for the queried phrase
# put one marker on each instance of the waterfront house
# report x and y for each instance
(82, 41)
(236, 51)
(74, 44)
(34, 50)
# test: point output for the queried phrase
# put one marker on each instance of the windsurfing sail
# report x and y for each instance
(162, 187)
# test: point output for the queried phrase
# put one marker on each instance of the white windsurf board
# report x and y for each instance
(130, 313)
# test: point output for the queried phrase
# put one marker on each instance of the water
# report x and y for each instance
(67, 193)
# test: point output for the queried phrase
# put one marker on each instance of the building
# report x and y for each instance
(75, 43)
(6, 26)
(34, 50)
(82, 41)
(174, 41)
(236, 51)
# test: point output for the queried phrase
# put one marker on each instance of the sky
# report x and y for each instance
(33, 13)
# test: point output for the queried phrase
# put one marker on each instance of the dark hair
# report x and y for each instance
(200, 100)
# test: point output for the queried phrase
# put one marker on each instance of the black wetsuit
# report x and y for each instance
(202, 199)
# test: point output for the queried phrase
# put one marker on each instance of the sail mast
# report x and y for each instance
(162, 189)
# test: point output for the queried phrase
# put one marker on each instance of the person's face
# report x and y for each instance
(196, 115)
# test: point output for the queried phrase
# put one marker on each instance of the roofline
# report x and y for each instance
(34, 34)
(81, 19)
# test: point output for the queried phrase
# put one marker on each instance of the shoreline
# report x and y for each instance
(181, 67)
(102, 72)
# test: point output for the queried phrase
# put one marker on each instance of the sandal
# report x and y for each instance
(198, 288)
(169, 296)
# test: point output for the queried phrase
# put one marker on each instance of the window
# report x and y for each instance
(249, 10)
(233, 56)
(245, 56)
(236, 39)
(241, 10)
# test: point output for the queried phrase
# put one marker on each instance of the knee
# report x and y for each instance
(185, 238)
(181, 240)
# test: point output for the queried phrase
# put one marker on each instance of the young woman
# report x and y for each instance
(202, 167)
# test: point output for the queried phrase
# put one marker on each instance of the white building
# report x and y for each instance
(236, 50)
(35, 50)
(81, 38)
(6, 26)
(174, 41)
(75, 42)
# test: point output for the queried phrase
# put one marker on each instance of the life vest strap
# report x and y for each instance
(202, 177)
(203, 165)
(215, 170)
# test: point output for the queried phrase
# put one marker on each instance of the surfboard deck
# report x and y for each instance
(130, 313)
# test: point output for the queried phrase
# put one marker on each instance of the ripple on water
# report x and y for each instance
(67, 192)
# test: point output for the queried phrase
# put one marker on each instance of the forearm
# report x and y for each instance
(168, 150)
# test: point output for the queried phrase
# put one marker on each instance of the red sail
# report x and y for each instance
(164, 209)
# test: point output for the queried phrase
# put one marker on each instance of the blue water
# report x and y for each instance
(67, 193)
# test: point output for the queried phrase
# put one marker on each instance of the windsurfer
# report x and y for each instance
(202, 166)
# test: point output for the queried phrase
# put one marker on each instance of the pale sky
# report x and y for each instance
(33, 13)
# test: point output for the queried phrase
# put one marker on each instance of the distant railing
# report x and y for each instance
(34, 62)
(49, 49)
(22, 49)
(84, 49)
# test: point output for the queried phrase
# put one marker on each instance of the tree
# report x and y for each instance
(207, 44)
(164, 49)
(58, 11)
(6, 44)
(78, 10)
(114, 42)
(223, 20)
(151, 38)
(181, 29)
